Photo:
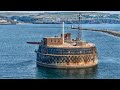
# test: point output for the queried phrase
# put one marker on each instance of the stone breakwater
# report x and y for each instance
(111, 32)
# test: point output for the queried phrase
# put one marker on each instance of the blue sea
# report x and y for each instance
(18, 59)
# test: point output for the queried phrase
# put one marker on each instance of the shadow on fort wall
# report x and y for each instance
(49, 73)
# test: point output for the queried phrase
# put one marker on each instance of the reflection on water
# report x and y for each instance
(49, 73)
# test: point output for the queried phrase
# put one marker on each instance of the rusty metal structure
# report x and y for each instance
(64, 52)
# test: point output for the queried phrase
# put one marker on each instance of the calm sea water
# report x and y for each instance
(18, 59)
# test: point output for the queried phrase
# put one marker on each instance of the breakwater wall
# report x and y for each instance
(111, 32)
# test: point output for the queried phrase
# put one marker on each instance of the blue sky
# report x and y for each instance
(112, 12)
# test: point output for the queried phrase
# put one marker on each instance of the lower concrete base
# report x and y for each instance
(66, 66)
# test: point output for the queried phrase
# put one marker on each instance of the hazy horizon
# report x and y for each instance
(111, 12)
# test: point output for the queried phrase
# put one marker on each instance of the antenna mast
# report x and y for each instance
(79, 32)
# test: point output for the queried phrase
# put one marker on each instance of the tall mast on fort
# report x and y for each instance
(78, 39)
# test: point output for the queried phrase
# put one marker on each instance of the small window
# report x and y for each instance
(54, 40)
(68, 51)
(51, 40)
(58, 40)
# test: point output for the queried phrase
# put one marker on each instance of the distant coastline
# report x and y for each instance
(59, 17)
